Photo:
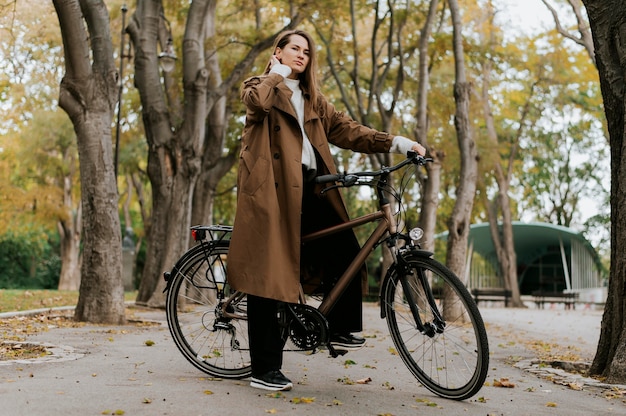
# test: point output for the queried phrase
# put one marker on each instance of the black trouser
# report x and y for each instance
(266, 345)
(330, 257)
(264, 332)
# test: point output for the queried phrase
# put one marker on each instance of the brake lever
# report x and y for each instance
(323, 191)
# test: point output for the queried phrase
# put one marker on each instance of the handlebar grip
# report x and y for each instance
(327, 178)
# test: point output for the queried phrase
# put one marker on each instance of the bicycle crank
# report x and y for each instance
(307, 328)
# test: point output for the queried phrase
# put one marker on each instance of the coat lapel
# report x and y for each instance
(284, 104)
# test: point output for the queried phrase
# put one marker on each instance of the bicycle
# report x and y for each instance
(434, 322)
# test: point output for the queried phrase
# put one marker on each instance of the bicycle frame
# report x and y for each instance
(208, 319)
(387, 224)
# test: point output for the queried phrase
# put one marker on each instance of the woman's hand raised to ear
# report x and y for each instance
(274, 61)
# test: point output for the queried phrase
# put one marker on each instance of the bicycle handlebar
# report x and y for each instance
(349, 179)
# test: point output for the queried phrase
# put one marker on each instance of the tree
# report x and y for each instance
(51, 159)
(88, 95)
(499, 210)
(368, 72)
(607, 19)
(584, 37)
(185, 123)
(459, 221)
(431, 184)
(45, 162)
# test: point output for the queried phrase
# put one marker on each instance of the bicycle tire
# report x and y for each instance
(213, 344)
(453, 361)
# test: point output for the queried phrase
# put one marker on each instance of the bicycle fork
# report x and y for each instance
(426, 328)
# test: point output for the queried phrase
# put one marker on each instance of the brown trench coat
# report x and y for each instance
(265, 250)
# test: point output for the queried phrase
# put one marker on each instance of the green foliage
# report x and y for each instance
(29, 260)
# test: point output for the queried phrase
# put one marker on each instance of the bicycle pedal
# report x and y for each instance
(335, 352)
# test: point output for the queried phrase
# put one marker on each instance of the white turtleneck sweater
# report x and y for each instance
(400, 144)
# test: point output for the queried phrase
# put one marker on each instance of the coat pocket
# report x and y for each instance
(253, 172)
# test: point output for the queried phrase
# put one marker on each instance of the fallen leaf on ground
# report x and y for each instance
(305, 400)
(503, 382)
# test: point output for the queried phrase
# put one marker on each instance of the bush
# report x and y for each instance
(29, 261)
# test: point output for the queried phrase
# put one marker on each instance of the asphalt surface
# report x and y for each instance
(136, 370)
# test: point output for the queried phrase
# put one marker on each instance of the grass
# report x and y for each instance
(23, 300)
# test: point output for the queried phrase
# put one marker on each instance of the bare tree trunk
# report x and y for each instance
(70, 234)
(432, 183)
(214, 165)
(88, 94)
(501, 230)
(459, 222)
(182, 143)
(174, 142)
(70, 231)
(608, 25)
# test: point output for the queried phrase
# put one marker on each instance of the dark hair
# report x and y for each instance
(308, 78)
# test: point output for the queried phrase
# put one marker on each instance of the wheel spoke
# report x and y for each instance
(211, 342)
(451, 364)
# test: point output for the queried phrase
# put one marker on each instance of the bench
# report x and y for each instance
(567, 298)
(491, 293)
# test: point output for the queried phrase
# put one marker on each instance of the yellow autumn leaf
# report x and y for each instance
(149, 342)
(551, 404)
(304, 400)
(271, 411)
(208, 392)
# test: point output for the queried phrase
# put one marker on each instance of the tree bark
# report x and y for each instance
(174, 142)
(608, 26)
(88, 94)
(185, 135)
(70, 231)
(431, 184)
(459, 222)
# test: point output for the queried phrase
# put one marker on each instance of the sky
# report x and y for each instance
(525, 15)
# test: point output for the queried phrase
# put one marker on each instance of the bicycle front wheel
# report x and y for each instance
(215, 343)
(436, 327)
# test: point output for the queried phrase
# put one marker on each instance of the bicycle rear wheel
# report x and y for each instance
(215, 344)
(450, 356)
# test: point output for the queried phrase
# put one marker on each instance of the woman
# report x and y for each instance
(285, 143)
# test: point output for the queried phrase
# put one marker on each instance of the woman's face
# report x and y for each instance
(295, 55)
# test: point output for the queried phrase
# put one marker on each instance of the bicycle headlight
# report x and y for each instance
(416, 234)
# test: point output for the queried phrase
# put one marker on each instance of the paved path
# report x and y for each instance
(98, 370)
